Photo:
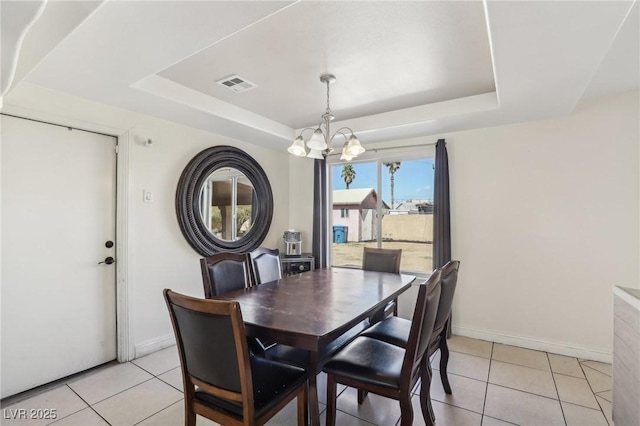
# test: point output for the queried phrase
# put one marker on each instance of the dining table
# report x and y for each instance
(310, 310)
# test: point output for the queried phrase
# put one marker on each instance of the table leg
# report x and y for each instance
(314, 407)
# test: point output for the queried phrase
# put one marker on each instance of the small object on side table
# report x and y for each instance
(297, 265)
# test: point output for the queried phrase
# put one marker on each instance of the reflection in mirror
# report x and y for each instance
(226, 204)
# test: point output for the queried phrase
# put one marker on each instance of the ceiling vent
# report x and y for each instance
(236, 83)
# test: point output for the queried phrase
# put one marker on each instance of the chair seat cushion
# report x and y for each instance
(272, 381)
(393, 330)
(396, 331)
(369, 361)
(300, 357)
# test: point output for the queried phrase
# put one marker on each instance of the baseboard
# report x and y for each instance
(539, 345)
(154, 345)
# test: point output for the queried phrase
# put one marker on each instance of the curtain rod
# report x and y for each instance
(392, 147)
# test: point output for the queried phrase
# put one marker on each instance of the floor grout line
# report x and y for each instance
(588, 366)
(486, 389)
(555, 386)
(602, 410)
(159, 411)
(465, 377)
(520, 365)
(89, 405)
(594, 394)
(593, 369)
(167, 383)
(524, 391)
(460, 408)
(583, 406)
(599, 394)
(354, 416)
(501, 420)
(122, 391)
(568, 375)
(467, 353)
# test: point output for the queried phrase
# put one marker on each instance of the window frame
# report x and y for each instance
(390, 154)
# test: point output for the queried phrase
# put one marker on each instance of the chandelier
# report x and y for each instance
(320, 143)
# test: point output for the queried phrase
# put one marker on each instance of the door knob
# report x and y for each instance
(109, 260)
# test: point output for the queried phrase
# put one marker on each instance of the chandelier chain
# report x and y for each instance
(328, 107)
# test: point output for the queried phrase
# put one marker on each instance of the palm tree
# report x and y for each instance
(393, 168)
(348, 174)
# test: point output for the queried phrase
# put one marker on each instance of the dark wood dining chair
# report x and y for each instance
(224, 272)
(396, 330)
(232, 386)
(383, 260)
(385, 369)
(265, 265)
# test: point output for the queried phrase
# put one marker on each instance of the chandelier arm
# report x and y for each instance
(346, 138)
(303, 130)
(340, 131)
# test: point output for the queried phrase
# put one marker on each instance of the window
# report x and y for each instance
(391, 206)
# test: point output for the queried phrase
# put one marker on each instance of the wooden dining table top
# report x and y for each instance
(313, 308)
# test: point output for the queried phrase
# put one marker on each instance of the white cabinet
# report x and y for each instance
(626, 356)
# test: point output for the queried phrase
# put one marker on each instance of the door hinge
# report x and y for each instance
(117, 149)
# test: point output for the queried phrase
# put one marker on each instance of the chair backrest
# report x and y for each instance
(265, 265)
(224, 272)
(381, 260)
(424, 318)
(212, 330)
(448, 280)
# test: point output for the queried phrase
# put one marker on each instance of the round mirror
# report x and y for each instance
(224, 202)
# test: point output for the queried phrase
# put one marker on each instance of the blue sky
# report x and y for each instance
(413, 180)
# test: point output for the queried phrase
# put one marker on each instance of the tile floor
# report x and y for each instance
(492, 384)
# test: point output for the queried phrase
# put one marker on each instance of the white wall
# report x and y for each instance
(545, 220)
(159, 256)
(301, 198)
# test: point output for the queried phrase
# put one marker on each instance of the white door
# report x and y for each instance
(366, 221)
(58, 212)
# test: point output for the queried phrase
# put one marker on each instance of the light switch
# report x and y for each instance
(147, 196)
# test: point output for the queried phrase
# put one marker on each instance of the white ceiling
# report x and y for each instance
(386, 56)
(403, 69)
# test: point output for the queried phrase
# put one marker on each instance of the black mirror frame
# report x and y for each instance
(188, 194)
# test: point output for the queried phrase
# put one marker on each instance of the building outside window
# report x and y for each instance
(388, 204)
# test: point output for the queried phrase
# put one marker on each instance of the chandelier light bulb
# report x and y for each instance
(297, 147)
(344, 155)
(314, 153)
(354, 148)
(317, 141)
